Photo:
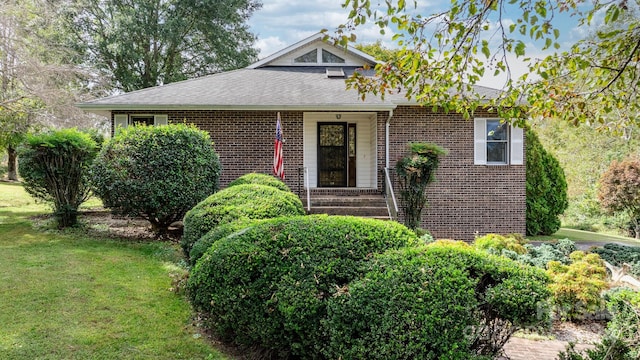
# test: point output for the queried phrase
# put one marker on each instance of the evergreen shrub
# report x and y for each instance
(494, 243)
(260, 179)
(267, 287)
(577, 287)
(546, 189)
(619, 255)
(221, 231)
(246, 201)
(156, 172)
(54, 166)
(441, 301)
(542, 254)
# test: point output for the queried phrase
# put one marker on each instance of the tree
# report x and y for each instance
(620, 190)
(54, 166)
(444, 53)
(546, 189)
(156, 172)
(39, 83)
(415, 171)
(144, 43)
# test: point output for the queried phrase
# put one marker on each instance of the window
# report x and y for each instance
(497, 143)
(310, 57)
(124, 120)
(329, 58)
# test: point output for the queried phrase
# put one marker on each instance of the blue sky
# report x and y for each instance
(281, 23)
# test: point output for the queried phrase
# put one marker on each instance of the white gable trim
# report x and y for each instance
(305, 44)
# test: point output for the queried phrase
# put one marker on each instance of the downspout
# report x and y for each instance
(386, 138)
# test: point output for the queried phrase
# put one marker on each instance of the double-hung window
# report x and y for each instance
(497, 143)
(124, 120)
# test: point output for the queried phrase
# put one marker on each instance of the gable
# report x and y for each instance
(313, 51)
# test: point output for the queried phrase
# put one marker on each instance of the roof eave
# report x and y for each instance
(102, 109)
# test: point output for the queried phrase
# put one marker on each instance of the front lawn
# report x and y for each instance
(66, 295)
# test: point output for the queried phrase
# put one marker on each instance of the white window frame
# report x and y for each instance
(124, 120)
(515, 144)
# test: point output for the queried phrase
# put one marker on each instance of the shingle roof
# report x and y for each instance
(262, 88)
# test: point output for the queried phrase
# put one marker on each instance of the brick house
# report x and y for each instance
(338, 143)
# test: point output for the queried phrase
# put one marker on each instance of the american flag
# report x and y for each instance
(278, 167)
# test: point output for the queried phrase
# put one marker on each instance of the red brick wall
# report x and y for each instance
(465, 199)
(244, 140)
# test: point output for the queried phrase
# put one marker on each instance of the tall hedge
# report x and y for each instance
(156, 172)
(267, 286)
(54, 166)
(434, 302)
(245, 201)
(546, 189)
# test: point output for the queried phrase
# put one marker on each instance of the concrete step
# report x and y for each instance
(351, 203)
(366, 211)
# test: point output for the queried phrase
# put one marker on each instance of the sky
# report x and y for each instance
(281, 23)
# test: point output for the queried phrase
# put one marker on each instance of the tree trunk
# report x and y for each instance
(12, 173)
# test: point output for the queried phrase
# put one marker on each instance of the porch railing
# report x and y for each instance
(306, 187)
(390, 196)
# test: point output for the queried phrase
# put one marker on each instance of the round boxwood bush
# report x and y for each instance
(267, 286)
(223, 230)
(250, 201)
(261, 179)
(156, 172)
(434, 302)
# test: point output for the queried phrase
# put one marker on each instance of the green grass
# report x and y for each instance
(586, 236)
(64, 295)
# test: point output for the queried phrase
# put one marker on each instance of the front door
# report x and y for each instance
(332, 154)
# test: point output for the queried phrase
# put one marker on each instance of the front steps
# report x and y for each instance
(342, 202)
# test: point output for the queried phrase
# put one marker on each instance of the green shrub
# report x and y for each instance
(541, 255)
(624, 306)
(546, 189)
(494, 243)
(618, 255)
(267, 286)
(415, 171)
(54, 166)
(250, 201)
(609, 348)
(156, 172)
(577, 287)
(223, 230)
(260, 179)
(441, 301)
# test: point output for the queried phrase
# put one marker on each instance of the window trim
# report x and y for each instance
(124, 120)
(515, 144)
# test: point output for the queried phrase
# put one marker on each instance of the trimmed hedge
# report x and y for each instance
(260, 179)
(54, 166)
(156, 172)
(268, 286)
(221, 231)
(439, 301)
(247, 201)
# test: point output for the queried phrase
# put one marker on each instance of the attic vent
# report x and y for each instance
(335, 73)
